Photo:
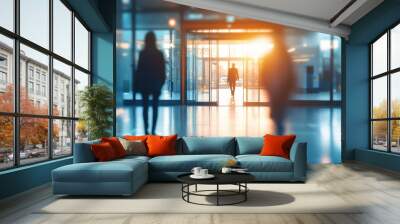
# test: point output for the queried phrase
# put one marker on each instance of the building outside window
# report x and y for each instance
(30, 72)
(30, 87)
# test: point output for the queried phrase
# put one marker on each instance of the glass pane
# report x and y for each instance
(379, 135)
(81, 131)
(81, 45)
(379, 98)
(6, 74)
(7, 14)
(379, 56)
(62, 89)
(62, 29)
(395, 136)
(62, 138)
(395, 47)
(35, 21)
(6, 142)
(34, 80)
(395, 95)
(337, 75)
(81, 81)
(33, 139)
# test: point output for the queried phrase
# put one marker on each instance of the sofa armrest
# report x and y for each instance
(83, 152)
(298, 155)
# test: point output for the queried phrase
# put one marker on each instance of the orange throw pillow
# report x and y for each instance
(161, 145)
(277, 145)
(116, 145)
(103, 152)
(136, 138)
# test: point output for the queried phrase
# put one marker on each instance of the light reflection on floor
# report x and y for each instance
(319, 126)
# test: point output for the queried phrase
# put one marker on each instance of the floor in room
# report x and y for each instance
(320, 127)
(379, 190)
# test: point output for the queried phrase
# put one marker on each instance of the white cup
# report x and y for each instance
(196, 171)
(226, 170)
(203, 172)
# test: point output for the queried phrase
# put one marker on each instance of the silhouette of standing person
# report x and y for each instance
(279, 80)
(233, 76)
(150, 77)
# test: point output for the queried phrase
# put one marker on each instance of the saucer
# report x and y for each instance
(208, 176)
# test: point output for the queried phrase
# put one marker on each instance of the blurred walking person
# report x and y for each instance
(278, 78)
(233, 76)
(149, 78)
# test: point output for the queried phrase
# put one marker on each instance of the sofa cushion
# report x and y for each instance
(161, 145)
(277, 145)
(116, 145)
(103, 152)
(249, 145)
(257, 163)
(208, 145)
(185, 163)
(136, 147)
(112, 171)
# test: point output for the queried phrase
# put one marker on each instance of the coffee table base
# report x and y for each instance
(241, 191)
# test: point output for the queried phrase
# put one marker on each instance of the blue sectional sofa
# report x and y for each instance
(125, 176)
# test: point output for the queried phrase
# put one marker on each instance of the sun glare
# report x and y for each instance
(260, 47)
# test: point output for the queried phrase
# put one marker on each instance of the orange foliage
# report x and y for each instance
(33, 131)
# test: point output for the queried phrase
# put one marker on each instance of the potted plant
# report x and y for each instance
(96, 104)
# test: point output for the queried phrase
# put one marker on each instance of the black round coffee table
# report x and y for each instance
(238, 179)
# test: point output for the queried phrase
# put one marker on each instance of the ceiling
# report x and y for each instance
(327, 16)
(321, 9)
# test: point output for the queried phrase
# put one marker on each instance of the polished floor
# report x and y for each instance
(320, 127)
(377, 190)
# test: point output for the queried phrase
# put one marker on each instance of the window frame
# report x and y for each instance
(388, 74)
(16, 115)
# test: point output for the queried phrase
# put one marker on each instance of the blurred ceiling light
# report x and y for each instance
(195, 16)
(291, 50)
(327, 45)
(126, 2)
(230, 19)
(123, 45)
(171, 22)
(300, 60)
(305, 45)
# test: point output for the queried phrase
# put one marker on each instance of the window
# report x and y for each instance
(62, 29)
(45, 131)
(30, 72)
(7, 73)
(34, 145)
(37, 89)
(61, 73)
(3, 78)
(7, 14)
(81, 81)
(30, 87)
(395, 47)
(34, 21)
(81, 45)
(6, 142)
(40, 62)
(37, 75)
(44, 91)
(3, 61)
(62, 137)
(385, 96)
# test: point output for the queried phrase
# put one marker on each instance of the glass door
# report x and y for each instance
(208, 64)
